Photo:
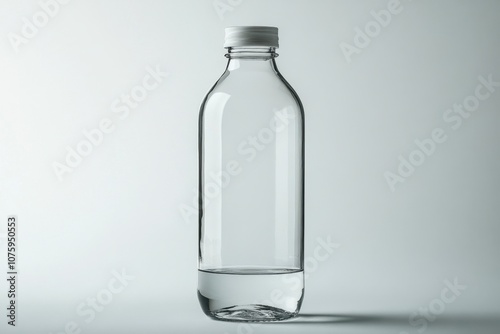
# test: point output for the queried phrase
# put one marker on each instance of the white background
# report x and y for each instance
(120, 208)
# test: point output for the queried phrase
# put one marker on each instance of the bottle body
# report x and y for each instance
(251, 192)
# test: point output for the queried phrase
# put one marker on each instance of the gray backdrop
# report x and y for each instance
(402, 161)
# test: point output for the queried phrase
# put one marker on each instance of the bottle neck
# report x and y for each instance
(251, 57)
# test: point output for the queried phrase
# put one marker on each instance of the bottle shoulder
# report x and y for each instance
(253, 90)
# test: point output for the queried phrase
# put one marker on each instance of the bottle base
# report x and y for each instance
(251, 295)
(247, 313)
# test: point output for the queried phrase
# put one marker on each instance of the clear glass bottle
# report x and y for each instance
(251, 186)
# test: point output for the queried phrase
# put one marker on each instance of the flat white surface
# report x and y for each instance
(120, 207)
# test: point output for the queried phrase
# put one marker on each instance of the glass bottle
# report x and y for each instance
(251, 186)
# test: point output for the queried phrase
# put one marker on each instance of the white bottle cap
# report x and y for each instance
(251, 36)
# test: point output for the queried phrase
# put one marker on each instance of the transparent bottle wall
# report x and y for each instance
(251, 191)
